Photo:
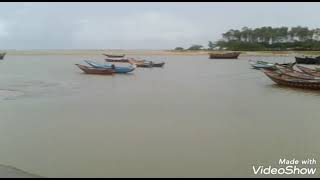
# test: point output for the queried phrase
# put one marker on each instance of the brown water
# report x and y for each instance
(195, 117)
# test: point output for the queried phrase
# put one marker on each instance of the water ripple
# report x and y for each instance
(9, 94)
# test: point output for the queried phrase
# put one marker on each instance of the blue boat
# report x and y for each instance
(118, 69)
(261, 65)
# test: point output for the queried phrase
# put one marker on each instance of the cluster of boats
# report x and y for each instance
(110, 68)
(235, 55)
(287, 75)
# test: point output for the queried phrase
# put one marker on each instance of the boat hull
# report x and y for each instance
(125, 60)
(90, 70)
(117, 69)
(224, 56)
(145, 65)
(296, 74)
(158, 64)
(286, 80)
(261, 65)
(307, 60)
(121, 60)
(270, 66)
(114, 56)
(309, 71)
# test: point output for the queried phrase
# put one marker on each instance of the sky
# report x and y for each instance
(139, 25)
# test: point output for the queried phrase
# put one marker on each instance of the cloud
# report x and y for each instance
(47, 31)
(138, 25)
(161, 28)
(3, 30)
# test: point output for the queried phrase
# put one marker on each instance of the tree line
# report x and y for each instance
(265, 38)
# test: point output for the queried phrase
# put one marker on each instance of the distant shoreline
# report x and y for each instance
(155, 52)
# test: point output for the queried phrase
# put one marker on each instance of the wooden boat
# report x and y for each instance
(125, 60)
(158, 64)
(2, 55)
(309, 71)
(145, 64)
(121, 60)
(261, 65)
(117, 69)
(308, 60)
(283, 79)
(268, 65)
(115, 56)
(233, 55)
(296, 74)
(138, 63)
(150, 64)
(91, 70)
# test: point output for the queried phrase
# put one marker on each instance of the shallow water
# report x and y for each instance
(195, 117)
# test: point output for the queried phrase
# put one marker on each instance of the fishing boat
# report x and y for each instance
(120, 60)
(138, 63)
(150, 64)
(285, 80)
(117, 69)
(2, 55)
(309, 71)
(261, 65)
(233, 55)
(125, 60)
(91, 70)
(145, 64)
(158, 64)
(296, 74)
(115, 56)
(268, 65)
(308, 60)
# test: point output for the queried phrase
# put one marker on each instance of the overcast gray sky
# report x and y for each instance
(139, 25)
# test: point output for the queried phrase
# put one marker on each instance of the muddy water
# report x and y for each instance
(193, 118)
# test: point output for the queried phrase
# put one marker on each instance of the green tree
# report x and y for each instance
(195, 47)
(270, 38)
(179, 48)
(211, 45)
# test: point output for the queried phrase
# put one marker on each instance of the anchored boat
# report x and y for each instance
(91, 70)
(138, 63)
(296, 74)
(308, 60)
(158, 64)
(150, 64)
(114, 56)
(268, 65)
(117, 69)
(286, 80)
(233, 55)
(261, 65)
(309, 71)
